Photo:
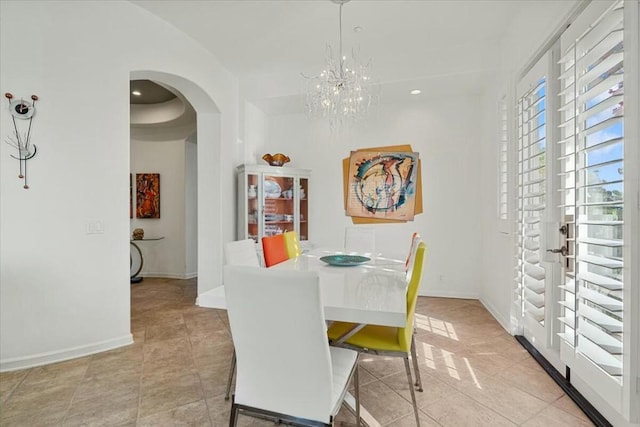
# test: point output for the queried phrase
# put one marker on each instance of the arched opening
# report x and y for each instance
(207, 141)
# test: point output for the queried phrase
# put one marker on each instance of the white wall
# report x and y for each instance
(446, 134)
(65, 293)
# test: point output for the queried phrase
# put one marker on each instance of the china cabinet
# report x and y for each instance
(272, 200)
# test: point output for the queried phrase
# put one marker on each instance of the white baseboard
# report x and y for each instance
(214, 298)
(165, 275)
(441, 293)
(30, 361)
(505, 323)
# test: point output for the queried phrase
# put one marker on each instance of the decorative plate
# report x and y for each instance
(344, 260)
(272, 189)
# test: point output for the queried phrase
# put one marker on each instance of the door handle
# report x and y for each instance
(563, 250)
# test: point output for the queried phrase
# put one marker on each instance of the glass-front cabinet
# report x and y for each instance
(272, 200)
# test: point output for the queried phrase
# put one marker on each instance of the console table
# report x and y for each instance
(136, 261)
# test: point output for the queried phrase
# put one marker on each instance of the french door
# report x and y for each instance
(538, 272)
(572, 281)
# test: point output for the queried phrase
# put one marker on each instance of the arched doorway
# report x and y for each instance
(208, 153)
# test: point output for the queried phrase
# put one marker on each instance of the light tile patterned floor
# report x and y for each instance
(474, 373)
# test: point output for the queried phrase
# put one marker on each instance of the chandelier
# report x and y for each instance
(342, 91)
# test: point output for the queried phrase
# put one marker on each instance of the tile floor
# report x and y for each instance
(474, 373)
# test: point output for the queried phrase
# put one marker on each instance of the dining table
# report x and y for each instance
(372, 292)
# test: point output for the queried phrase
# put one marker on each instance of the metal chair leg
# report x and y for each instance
(232, 371)
(414, 356)
(413, 392)
(357, 396)
(233, 417)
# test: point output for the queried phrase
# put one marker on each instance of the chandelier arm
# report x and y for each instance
(340, 58)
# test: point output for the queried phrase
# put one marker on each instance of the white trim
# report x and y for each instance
(631, 228)
(14, 364)
(437, 293)
(505, 323)
(215, 298)
(168, 275)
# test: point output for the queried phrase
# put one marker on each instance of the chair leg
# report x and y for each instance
(356, 379)
(233, 418)
(413, 392)
(414, 356)
(232, 371)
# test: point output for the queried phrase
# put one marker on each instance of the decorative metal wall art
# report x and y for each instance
(22, 109)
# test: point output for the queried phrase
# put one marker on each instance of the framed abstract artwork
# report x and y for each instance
(148, 195)
(382, 185)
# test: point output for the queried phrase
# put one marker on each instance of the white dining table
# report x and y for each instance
(372, 293)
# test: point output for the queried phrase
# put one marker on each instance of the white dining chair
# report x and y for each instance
(294, 377)
(361, 240)
(242, 252)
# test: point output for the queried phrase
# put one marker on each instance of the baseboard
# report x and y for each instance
(168, 275)
(213, 298)
(437, 293)
(16, 363)
(505, 323)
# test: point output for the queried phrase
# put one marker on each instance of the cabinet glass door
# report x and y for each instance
(303, 209)
(278, 204)
(252, 207)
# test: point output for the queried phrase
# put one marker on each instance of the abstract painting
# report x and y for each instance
(148, 195)
(382, 185)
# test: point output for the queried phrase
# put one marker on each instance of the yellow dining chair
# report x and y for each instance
(385, 340)
(292, 244)
(415, 239)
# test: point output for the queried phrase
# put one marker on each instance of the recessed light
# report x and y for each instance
(136, 93)
(415, 92)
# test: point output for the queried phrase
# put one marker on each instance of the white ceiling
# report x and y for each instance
(437, 46)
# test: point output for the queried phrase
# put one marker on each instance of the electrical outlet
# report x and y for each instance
(94, 226)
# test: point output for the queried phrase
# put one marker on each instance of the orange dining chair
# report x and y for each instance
(292, 244)
(274, 249)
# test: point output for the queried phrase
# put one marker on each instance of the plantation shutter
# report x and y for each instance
(503, 159)
(531, 199)
(592, 176)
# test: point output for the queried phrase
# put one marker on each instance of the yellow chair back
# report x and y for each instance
(404, 334)
(291, 243)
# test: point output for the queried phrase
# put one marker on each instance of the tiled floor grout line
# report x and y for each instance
(141, 375)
